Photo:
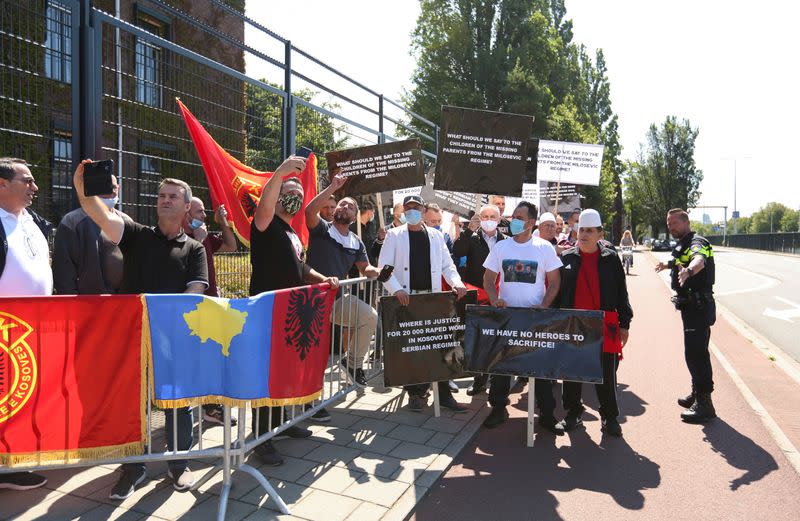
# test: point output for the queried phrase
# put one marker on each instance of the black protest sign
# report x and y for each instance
(423, 342)
(377, 168)
(532, 164)
(456, 202)
(558, 344)
(482, 152)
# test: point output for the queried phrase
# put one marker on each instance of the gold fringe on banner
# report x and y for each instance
(144, 361)
(209, 399)
(71, 456)
(235, 402)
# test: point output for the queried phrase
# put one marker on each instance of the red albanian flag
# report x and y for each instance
(238, 186)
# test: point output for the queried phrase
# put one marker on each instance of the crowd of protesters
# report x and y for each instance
(100, 250)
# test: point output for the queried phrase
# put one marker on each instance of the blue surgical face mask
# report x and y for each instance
(402, 218)
(111, 203)
(413, 216)
(195, 224)
(517, 226)
(437, 227)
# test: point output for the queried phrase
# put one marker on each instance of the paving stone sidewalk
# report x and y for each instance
(374, 460)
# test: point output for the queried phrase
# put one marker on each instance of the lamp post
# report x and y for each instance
(735, 210)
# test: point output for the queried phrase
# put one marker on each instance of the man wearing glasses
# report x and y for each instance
(24, 260)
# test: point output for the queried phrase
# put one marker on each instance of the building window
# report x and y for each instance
(62, 173)
(149, 179)
(58, 42)
(150, 62)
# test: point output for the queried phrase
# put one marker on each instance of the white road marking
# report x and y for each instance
(766, 283)
(784, 314)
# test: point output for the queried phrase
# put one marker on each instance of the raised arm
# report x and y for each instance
(108, 220)
(272, 190)
(228, 238)
(312, 210)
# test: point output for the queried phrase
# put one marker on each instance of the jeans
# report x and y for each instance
(697, 324)
(185, 437)
(606, 392)
(542, 391)
(360, 320)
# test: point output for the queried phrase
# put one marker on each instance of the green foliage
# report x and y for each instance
(664, 175)
(774, 217)
(518, 56)
(314, 129)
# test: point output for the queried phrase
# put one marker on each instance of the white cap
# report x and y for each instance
(547, 217)
(590, 219)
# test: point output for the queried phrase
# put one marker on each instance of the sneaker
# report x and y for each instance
(215, 414)
(295, 431)
(416, 403)
(478, 385)
(321, 415)
(611, 427)
(570, 422)
(22, 480)
(550, 424)
(131, 476)
(268, 454)
(453, 405)
(356, 376)
(498, 416)
(182, 479)
(453, 386)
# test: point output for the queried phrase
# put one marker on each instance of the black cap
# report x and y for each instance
(413, 199)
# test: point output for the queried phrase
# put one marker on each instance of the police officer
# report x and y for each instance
(692, 274)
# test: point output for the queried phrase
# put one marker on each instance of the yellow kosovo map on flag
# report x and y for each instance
(214, 319)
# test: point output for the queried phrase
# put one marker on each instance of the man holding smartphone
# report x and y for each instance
(158, 259)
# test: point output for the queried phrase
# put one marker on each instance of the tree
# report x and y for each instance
(664, 175)
(518, 56)
(770, 219)
(314, 129)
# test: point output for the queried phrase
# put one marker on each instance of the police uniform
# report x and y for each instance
(695, 301)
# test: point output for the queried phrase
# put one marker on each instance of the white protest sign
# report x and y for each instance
(570, 163)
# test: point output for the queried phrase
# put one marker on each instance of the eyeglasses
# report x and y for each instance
(29, 245)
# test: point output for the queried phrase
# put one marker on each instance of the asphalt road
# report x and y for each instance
(762, 290)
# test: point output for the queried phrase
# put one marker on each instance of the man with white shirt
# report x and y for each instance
(24, 261)
(524, 263)
(420, 259)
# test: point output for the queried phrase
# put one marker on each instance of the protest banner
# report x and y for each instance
(454, 202)
(423, 342)
(532, 163)
(571, 163)
(375, 168)
(482, 151)
(558, 344)
(558, 198)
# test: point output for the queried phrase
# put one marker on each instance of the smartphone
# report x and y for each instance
(97, 178)
(385, 273)
(303, 152)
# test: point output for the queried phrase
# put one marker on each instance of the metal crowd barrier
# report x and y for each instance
(235, 447)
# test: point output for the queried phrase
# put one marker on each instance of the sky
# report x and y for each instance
(728, 67)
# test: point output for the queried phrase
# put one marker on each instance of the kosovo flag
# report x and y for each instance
(271, 349)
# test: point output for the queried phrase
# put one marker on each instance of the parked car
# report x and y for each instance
(663, 245)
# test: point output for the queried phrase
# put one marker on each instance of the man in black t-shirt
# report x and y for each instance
(161, 259)
(278, 262)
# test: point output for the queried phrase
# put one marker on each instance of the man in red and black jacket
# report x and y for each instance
(592, 277)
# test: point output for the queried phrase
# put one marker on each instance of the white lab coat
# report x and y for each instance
(395, 252)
